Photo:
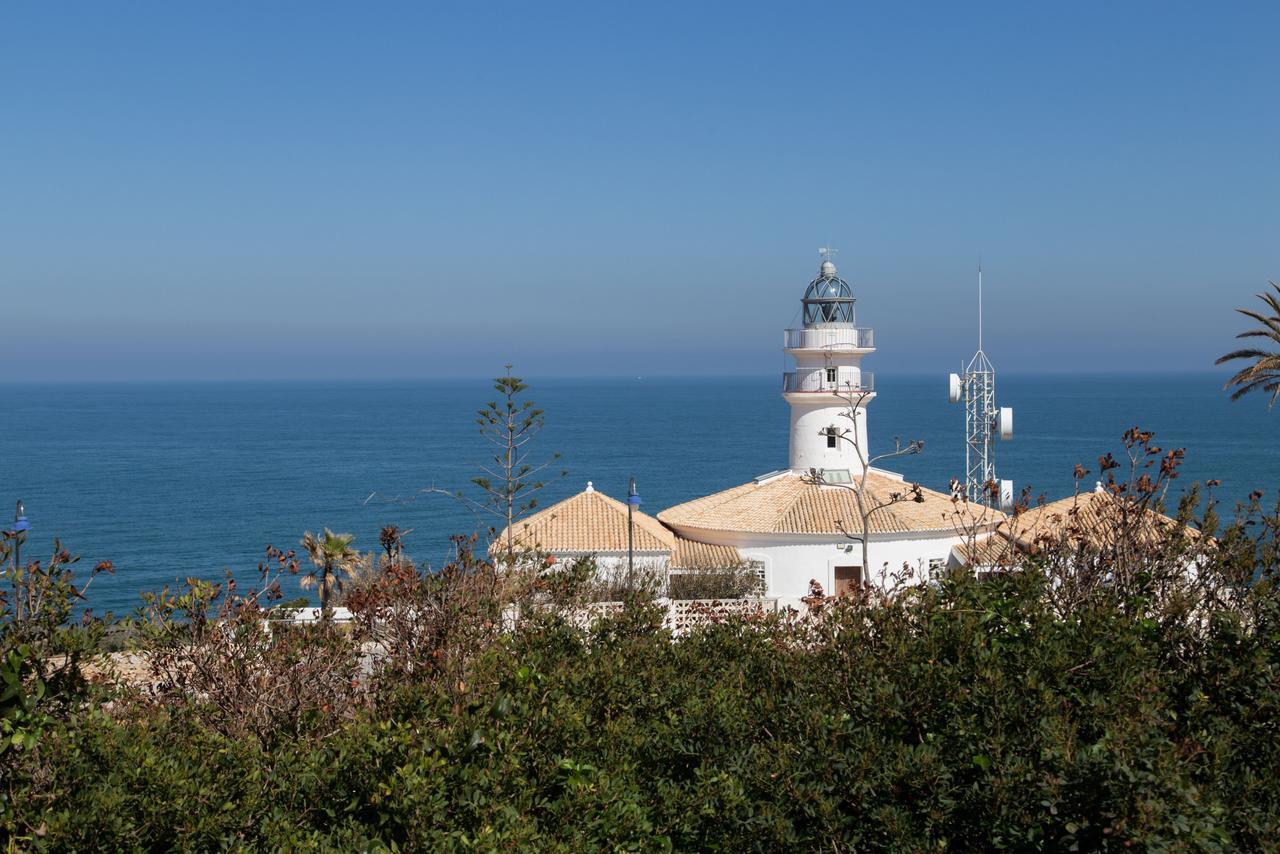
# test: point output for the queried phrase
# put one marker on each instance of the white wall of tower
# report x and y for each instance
(820, 392)
(810, 447)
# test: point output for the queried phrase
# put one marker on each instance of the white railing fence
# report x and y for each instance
(821, 380)
(818, 338)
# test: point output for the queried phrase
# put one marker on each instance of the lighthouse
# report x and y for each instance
(844, 530)
(793, 528)
(828, 379)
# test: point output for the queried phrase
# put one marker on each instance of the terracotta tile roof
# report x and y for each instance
(786, 504)
(996, 550)
(1090, 518)
(691, 554)
(590, 522)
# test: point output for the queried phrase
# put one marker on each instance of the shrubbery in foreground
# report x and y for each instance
(1105, 697)
(968, 715)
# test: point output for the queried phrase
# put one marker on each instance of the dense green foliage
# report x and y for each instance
(965, 714)
(1120, 689)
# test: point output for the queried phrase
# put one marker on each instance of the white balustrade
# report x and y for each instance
(830, 338)
(844, 381)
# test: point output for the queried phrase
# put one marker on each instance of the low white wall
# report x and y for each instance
(614, 563)
(791, 561)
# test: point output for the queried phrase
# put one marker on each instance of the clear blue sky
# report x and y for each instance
(329, 190)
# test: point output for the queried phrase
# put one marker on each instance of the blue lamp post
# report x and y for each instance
(633, 501)
(20, 527)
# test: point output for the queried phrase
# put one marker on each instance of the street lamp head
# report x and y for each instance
(633, 497)
(20, 522)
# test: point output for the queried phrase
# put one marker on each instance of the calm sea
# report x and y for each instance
(170, 481)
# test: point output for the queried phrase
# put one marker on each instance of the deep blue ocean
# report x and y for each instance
(176, 480)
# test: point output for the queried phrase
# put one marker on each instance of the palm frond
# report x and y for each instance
(1247, 385)
(1271, 324)
(1264, 373)
(1243, 354)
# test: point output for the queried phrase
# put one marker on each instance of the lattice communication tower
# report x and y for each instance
(984, 423)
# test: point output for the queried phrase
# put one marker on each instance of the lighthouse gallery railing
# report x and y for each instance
(818, 380)
(819, 338)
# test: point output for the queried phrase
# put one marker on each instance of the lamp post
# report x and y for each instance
(20, 527)
(633, 501)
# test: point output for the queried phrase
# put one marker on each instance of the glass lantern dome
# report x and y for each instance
(828, 299)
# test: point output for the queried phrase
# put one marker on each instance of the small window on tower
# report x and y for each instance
(831, 437)
(831, 375)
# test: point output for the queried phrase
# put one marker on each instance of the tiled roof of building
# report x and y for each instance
(691, 554)
(1090, 519)
(590, 522)
(786, 504)
(996, 550)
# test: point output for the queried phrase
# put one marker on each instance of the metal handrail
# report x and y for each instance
(815, 380)
(818, 338)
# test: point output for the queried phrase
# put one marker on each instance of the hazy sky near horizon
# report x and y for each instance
(349, 190)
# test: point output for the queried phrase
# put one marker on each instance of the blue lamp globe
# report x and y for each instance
(20, 522)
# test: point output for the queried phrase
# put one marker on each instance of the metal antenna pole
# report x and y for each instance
(980, 412)
(979, 303)
(631, 506)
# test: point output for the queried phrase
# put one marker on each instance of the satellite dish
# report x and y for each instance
(1006, 496)
(1004, 422)
(954, 391)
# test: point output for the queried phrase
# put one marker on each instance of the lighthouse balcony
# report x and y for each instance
(828, 381)
(833, 337)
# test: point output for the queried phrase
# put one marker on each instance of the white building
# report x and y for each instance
(796, 526)
(591, 524)
(802, 522)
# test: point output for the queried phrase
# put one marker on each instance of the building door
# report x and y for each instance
(848, 580)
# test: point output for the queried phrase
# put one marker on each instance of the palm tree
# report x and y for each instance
(332, 554)
(1264, 372)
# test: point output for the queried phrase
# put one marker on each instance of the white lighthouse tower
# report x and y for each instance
(795, 529)
(828, 375)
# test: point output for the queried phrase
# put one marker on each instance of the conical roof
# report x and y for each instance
(593, 523)
(590, 522)
(1090, 520)
(787, 504)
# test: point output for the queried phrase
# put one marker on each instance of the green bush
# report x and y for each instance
(1102, 698)
(728, 582)
(967, 715)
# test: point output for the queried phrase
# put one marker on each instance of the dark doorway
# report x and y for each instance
(848, 580)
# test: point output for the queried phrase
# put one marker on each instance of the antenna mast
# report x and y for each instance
(984, 422)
